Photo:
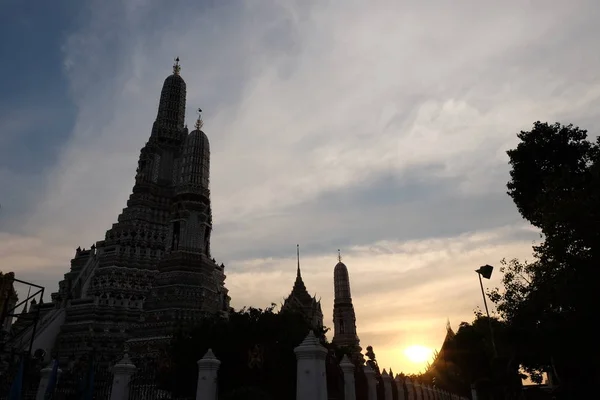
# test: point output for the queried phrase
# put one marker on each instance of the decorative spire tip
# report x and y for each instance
(339, 256)
(176, 67)
(298, 257)
(199, 122)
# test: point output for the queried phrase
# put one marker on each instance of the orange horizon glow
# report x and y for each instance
(418, 354)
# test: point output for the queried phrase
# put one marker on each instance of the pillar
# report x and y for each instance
(410, 388)
(473, 391)
(418, 392)
(387, 385)
(400, 387)
(122, 372)
(311, 380)
(424, 391)
(349, 385)
(44, 381)
(208, 367)
(371, 382)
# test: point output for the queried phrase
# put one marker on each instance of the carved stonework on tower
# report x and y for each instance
(344, 319)
(154, 269)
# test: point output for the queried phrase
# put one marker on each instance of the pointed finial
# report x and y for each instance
(199, 122)
(339, 256)
(298, 258)
(176, 67)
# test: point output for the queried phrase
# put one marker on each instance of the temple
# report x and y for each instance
(153, 273)
(443, 358)
(344, 318)
(301, 301)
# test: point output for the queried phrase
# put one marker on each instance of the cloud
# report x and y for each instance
(378, 128)
(403, 292)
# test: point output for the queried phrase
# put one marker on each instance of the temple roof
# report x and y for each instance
(299, 295)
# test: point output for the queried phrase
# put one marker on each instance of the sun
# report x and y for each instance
(418, 354)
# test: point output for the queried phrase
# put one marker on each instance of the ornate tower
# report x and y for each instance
(301, 301)
(156, 257)
(344, 319)
(189, 283)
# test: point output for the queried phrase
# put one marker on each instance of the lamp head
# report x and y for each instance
(485, 271)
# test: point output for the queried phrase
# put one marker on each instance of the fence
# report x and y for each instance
(318, 377)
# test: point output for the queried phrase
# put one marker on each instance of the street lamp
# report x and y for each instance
(486, 272)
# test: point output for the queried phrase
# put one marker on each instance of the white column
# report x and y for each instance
(371, 383)
(44, 381)
(387, 385)
(423, 389)
(208, 367)
(430, 394)
(473, 391)
(410, 388)
(311, 380)
(122, 372)
(400, 387)
(418, 393)
(349, 386)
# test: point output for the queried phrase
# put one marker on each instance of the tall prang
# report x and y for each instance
(344, 318)
(189, 284)
(154, 268)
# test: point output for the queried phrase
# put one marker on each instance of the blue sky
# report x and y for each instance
(36, 113)
(379, 129)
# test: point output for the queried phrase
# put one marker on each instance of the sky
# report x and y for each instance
(379, 128)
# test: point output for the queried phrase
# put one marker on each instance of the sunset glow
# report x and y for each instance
(418, 354)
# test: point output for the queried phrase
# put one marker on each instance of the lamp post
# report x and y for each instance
(486, 272)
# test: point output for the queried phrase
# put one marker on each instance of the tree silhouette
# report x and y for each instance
(256, 350)
(548, 303)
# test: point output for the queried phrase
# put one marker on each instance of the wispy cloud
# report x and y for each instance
(377, 128)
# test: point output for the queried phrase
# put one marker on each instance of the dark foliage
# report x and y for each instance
(256, 350)
(469, 358)
(549, 303)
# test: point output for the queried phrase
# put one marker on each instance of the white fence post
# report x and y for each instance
(44, 381)
(122, 372)
(400, 387)
(418, 393)
(207, 377)
(349, 385)
(311, 380)
(410, 388)
(430, 394)
(473, 391)
(371, 383)
(387, 385)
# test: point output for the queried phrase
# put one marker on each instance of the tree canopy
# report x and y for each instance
(548, 302)
(256, 350)
(468, 357)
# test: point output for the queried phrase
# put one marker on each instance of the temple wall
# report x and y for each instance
(47, 333)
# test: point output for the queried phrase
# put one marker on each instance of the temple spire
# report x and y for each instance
(339, 256)
(176, 67)
(298, 257)
(199, 122)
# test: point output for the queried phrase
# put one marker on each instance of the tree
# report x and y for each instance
(256, 350)
(548, 303)
(468, 357)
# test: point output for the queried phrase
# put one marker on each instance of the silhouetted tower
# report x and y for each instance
(344, 319)
(301, 301)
